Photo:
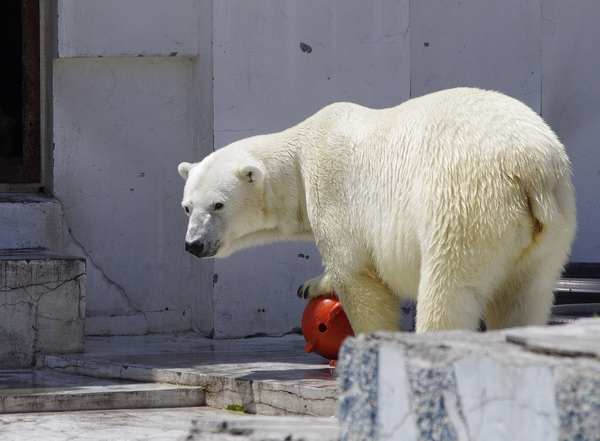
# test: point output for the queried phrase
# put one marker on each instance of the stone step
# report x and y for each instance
(42, 305)
(47, 391)
(266, 375)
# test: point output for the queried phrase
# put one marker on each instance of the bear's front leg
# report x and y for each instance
(319, 286)
(367, 301)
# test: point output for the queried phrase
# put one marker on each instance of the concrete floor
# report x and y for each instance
(172, 387)
(167, 424)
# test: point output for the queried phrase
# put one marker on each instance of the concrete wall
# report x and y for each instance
(127, 110)
(264, 82)
(571, 105)
(539, 52)
(140, 85)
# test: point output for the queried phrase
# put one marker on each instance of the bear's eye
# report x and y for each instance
(218, 206)
(187, 210)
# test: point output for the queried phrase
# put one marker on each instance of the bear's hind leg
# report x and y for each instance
(524, 299)
(369, 303)
(527, 293)
(459, 309)
(447, 300)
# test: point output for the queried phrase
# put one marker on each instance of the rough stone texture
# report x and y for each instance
(358, 405)
(42, 305)
(463, 385)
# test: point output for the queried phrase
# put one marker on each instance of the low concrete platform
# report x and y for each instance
(268, 375)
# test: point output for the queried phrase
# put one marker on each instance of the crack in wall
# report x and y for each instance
(7, 288)
(130, 303)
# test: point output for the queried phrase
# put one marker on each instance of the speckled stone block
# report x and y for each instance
(42, 305)
(536, 383)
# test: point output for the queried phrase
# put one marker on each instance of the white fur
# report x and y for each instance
(461, 200)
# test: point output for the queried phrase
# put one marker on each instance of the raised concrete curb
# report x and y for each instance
(42, 305)
(463, 385)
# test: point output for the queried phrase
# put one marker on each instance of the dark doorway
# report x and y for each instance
(20, 92)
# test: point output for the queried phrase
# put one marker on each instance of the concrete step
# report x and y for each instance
(30, 220)
(267, 375)
(47, 391)
(42, 305)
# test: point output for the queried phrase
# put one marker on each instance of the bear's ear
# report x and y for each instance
(251, 173)
(184, 169)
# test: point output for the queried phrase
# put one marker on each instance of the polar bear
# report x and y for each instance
(461, 200)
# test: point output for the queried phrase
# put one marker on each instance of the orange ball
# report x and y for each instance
(325, 326)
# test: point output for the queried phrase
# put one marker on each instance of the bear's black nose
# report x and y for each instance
(196, 248)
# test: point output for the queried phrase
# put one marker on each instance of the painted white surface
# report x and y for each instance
(264, 82)
(491, 45)
(117, 28)
(121, 127)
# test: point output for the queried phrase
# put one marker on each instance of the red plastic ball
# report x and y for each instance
(325, 326)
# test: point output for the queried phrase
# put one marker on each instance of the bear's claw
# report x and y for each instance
(303, 293)
(319, 286)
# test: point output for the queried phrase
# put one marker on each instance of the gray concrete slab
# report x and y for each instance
(197, 423)
(271, 376)
(43, 391)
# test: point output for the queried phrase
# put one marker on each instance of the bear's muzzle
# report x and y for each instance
(200, 248)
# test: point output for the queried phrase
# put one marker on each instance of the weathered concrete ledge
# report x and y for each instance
(535, 383)
(42, 305)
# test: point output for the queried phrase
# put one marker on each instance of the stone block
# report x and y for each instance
(30, 221)
(535, 383)
(42, 305)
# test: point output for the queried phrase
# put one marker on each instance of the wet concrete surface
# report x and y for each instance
(173, 387)
(266, 375)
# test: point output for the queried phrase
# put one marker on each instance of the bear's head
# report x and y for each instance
(224, 199)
